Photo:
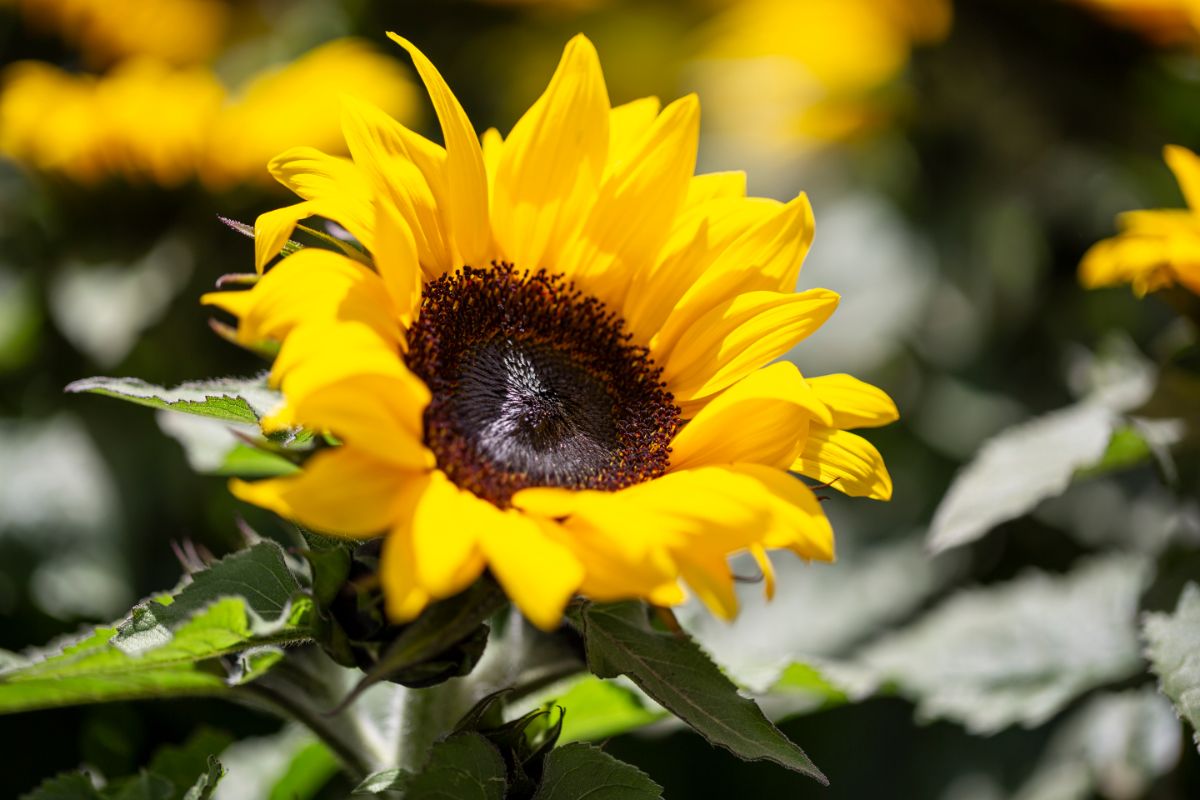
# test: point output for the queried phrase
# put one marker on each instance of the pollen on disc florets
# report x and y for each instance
(535, 384)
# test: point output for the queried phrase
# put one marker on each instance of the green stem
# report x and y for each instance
(426, 715)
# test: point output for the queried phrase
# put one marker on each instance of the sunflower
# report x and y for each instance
(546, 356)
(1155, 249)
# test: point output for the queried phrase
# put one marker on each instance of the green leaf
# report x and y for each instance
(310, 769)
(436, 632)
(168, 649)
(583, 772)
(180, 764)
(1173, 647)
(1114, 746)
(243, 400)
(144, 786)
(1018, 468)
(598, 709)
(72, 786)
(679, 676)
(206, 784)
(462, 767)
(1018, 652)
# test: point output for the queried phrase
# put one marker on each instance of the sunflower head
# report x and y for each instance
(549, 355)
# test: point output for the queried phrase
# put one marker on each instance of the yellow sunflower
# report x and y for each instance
(1155, 249)
(548, 360)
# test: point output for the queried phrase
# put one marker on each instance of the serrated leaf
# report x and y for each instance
(206, 784)
(72, 786)
(180, 764)
(244, 601)
(598, 709)
(462, 767)
(243, 400)
(1115, 746)
(583, 772)
(1018, 468)
(1018, 652)
(1173, 647)
(677, 674)
(144, 786)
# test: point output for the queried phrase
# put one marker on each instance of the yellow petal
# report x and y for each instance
(492, 145)
(761, 419)
(342, 492)
(797, 521)
(552, 161)
(634, 208)
(853, 403)
(1186, 166)
(699, 236)
(768, 570)
(845, 461)
(709, 577)
(1143, 261)
(715, 186)
(408, 173)
(737, 337)
(403, 598)
(398, 263)
(310, 286)
(537, 571)
(766, 257)
(466, 202)
(446, 526)
(627, 124)
(273, 229)
(336, 183)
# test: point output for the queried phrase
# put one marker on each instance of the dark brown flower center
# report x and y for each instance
(535, 384)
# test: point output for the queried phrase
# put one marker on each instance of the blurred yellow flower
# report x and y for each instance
(1166, 22)
(144, 120)
(1155, 249)
(301, 102)
(104, 31)
(147, 121)
(785, 71)
(551, 364)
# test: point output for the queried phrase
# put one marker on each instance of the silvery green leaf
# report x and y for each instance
(1173, 647)
(243, 400)
(1115, 746)
(1019, 468)
(1018, 652)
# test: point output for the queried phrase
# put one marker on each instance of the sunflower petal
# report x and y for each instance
(403, 597)
(337, 184)
(761, 419)
(553, 160)
(845, 461)
(797, 521)
(708, 575)
(1186, 166)
(853, 403)
(398, 262)
(343, 492)
(466, 179)
(715, 186)
(446, 526)
(309, 286)
(633, 210)
(627, 124)
(539, 573)
(768, 569)
(737, 337)
(406, 169)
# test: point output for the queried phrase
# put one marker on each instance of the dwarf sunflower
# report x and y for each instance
(1155, 249)
(551, 364)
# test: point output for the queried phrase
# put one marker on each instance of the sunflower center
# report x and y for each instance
(535, 384)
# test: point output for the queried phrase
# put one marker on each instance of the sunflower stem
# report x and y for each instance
(426, 715)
